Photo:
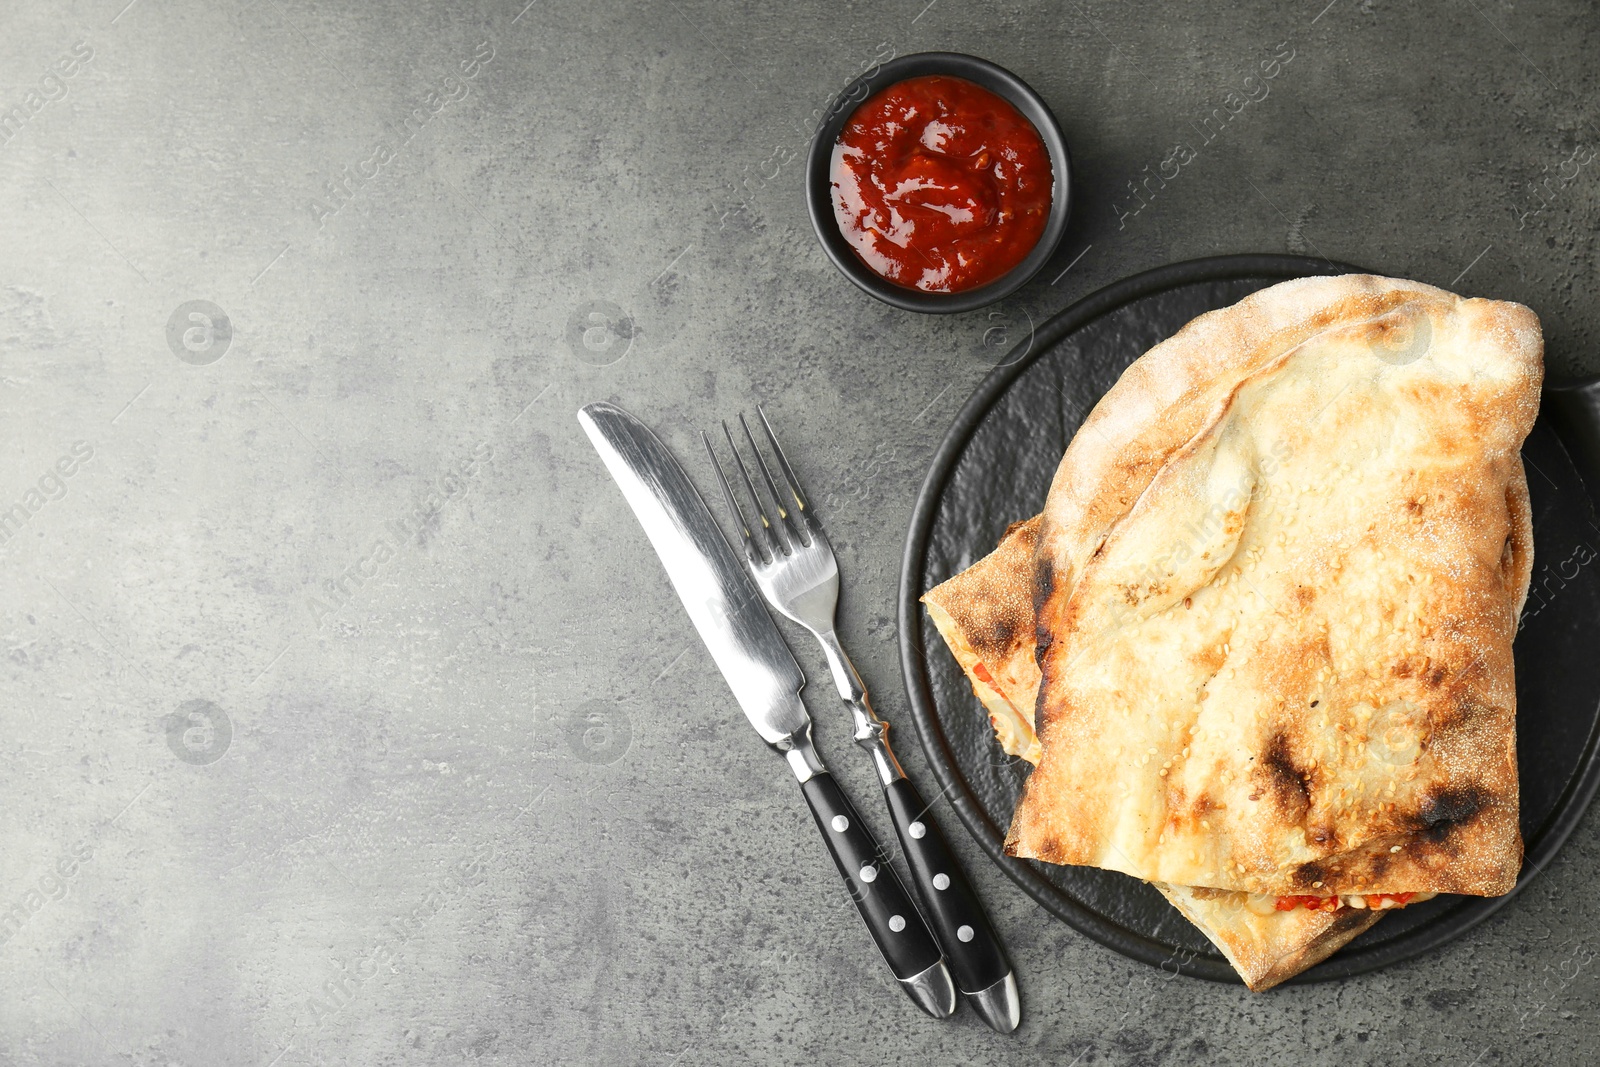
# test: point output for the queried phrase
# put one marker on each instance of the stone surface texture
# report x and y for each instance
(346, 716)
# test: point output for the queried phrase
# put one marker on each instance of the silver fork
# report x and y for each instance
(794, 565)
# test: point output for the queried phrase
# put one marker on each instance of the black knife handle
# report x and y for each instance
(958, 920)
(891, 917)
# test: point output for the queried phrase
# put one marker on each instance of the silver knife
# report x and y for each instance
(731, 616)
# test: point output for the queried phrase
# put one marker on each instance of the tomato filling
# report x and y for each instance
(1376, 901)
(1309, 903)
(983, 674)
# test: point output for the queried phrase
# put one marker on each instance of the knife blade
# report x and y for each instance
(723, 603)
(731, 617)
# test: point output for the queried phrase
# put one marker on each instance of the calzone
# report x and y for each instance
(1277, 577)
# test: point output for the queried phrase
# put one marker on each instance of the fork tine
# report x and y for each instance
(738, 513)
(772, 486)
(788, 471)
(771, 539)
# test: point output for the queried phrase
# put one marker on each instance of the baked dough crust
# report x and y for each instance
(985, 615)
(1277, 579)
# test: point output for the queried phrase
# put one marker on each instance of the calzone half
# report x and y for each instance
(985, 614)
(1278, 573)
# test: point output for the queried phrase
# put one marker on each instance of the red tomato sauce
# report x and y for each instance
(940, 185)
(1375, 901)
(1308, 902)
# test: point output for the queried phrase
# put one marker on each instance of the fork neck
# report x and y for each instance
(851, 691)
(871, 733)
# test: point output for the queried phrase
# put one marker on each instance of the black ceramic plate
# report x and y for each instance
(994, 468)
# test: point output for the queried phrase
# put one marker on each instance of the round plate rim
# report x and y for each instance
(1466, 914)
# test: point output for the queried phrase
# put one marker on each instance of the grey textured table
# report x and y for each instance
(347, 717)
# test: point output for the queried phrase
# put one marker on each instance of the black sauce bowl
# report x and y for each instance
(819, 185)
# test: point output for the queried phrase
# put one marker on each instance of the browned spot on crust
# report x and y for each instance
(1003, 632)
(1044, 583)
(1049, 851)
(1210, 659)
(1459, 711)
(1442, 812)
(1378, 865)
(1289, 784)
(1312, 875)
(1348, 919)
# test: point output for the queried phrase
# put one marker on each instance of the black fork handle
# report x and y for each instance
(953, 910)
